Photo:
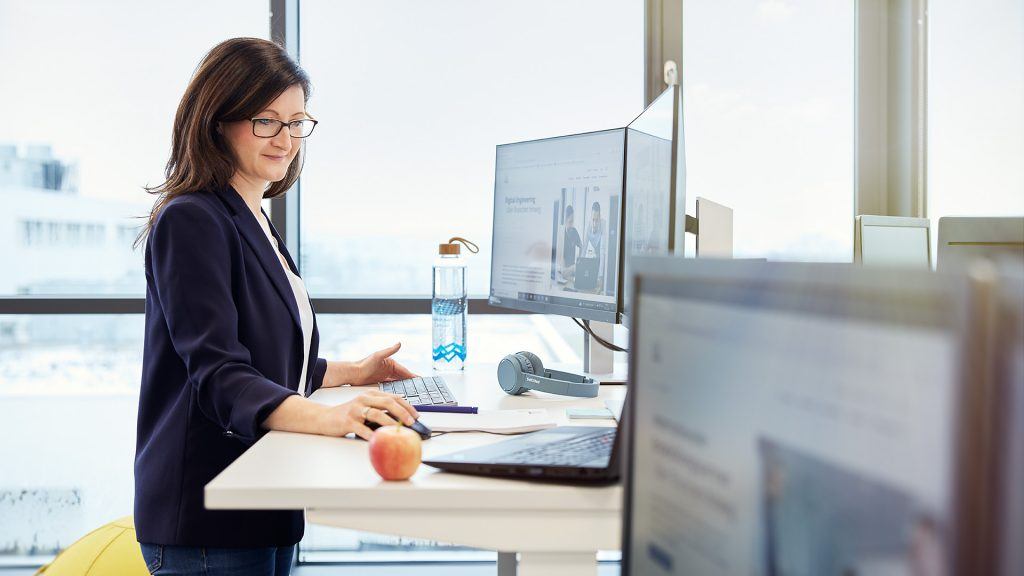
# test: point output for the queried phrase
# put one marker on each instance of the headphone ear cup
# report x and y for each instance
(510, 374)
(536, 364)
(524, 362)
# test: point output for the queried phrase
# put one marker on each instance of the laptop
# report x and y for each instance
(584, 454)
(586, 273)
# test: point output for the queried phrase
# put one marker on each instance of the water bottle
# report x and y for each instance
(449, 306)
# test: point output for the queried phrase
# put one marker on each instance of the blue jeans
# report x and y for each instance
(190, 561)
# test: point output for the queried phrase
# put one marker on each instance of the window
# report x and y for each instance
(68, 402)
(90, 125)
(975, 109)
(353, 336)
(768, 103)
(413, 97)
(92, 89)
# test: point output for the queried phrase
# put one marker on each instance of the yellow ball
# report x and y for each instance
(109, 549)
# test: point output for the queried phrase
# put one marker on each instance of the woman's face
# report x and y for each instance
(263, 160)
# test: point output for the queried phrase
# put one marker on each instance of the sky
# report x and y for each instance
(976, 108)
(414, 96)
(768, 100)
(100, 81)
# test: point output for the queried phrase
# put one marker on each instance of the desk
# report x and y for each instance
(557, 529)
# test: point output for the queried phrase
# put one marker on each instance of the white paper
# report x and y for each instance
(496, 421)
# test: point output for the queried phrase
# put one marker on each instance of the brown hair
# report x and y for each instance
(236, 80)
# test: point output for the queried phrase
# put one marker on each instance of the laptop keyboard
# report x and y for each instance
(570, 452)
(430, 390)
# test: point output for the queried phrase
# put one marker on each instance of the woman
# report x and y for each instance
(231, 339)
(595, 234)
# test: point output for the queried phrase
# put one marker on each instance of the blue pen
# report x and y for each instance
(443, 408)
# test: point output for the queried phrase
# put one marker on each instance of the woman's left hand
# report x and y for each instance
(379, 367)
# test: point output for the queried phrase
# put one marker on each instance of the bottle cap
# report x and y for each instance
(451, 247)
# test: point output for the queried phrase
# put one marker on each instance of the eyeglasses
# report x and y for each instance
(270, 127)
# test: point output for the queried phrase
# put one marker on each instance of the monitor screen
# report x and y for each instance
(648, 185)
(557, 219)
(787, 431)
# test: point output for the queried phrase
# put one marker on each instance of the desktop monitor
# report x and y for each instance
(796, 419)
(714, 230)
(962, 239)
(655, 183)
(557, 222)
(892, 241)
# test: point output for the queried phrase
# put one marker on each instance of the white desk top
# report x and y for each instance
(292, 471)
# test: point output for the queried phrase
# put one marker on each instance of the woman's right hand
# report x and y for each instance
(369, 406)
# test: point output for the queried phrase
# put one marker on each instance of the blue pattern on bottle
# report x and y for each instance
(449, 352)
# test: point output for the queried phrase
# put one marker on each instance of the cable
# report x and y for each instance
(602, 341)
(585, 325)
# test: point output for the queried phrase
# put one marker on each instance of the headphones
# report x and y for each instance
(524, 371)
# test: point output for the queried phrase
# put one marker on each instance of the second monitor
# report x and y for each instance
(655, 183)
(557, 221)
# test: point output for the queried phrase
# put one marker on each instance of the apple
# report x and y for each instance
(395, 452)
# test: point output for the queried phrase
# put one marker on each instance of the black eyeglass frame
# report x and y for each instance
(280, 126)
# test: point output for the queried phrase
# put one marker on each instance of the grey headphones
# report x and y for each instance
(524, 371)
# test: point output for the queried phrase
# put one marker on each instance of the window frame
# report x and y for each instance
(890, 108)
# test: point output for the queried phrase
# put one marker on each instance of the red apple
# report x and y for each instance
(395, 452)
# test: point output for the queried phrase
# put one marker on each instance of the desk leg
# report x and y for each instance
(506, 564)
(557, 564)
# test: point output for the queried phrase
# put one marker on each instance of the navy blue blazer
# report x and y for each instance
(223, 349)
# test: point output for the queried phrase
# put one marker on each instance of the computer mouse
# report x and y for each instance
(417, 427)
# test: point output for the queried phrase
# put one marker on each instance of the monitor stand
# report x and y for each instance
(598, 361)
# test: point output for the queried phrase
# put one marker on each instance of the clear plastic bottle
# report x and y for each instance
(449, 306)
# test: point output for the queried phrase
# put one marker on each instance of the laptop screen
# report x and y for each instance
(786, 425)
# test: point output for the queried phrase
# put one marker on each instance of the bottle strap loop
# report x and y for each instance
(469, 245)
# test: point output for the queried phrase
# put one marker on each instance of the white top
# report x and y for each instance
(334, 480)
(301, 299)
